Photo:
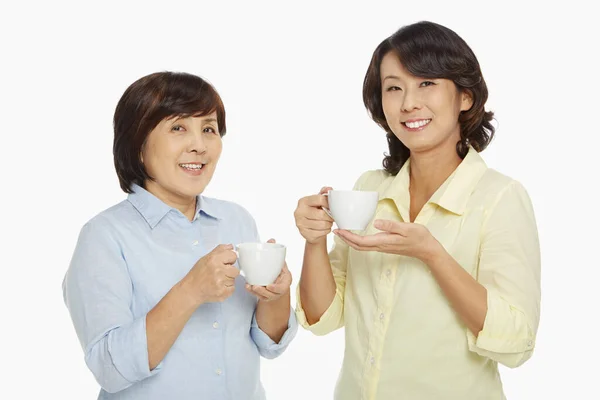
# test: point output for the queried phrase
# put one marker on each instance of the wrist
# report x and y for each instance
(316, 243)
(284, 298)
(433, 252)
(188, 292)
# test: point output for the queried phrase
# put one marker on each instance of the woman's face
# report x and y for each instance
(181, 154)
(422, 113)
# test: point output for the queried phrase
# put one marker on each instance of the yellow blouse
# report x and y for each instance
(403, 339)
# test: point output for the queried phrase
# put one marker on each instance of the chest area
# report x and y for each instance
(162, 257)
(459, 235)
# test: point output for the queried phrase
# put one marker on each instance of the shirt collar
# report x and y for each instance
(452, 195)
(209, 207)
(153, 209)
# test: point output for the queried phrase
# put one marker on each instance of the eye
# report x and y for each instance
(427, 83)
(209, 129)
(177, 128)
(392, 89)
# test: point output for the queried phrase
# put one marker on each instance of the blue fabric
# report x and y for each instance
(126, 259)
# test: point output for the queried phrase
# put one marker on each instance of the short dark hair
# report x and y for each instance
(430, 50)
(148, 101)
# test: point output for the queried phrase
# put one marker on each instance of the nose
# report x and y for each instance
(410, 101)
(197, 143)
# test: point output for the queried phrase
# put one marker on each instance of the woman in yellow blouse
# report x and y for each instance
(444, 283)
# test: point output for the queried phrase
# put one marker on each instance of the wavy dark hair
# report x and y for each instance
(430, 50)
(148, 101)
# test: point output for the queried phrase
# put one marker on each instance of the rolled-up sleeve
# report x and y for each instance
(509, 268)
(267, 347)
(97, 290)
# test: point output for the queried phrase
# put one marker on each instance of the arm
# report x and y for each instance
(211, 279)
(500, 308)
(272, 316)
(121, 350)
(166, 320)
(467, 296)
(273, 326)
(509, 269)
(317, 287)
(320, 294)
(98, 291)
(322, 285)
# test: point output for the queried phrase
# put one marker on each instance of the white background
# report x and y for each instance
(291, 79)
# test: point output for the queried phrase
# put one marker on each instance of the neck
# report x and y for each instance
(185, 204)
(429, 169)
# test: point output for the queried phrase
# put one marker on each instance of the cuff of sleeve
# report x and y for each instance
(128, 348)
(506, 336)
(329, 321)
(498, 345)
(267, 346)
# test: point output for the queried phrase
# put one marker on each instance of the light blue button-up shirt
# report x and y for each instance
(126, 259)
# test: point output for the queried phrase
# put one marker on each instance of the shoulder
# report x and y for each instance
(236, 221)
(503, 197)
(109, 222)
(225, 209)
(495, 186)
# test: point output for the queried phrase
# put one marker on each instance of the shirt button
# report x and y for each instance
(218, 371)
(215, 325)
(388, 272)
(372, 360)
(381, 316)
(195, 243)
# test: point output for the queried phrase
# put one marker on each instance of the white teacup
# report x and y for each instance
(260, 263)
(352, 209)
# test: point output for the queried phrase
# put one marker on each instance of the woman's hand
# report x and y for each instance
(275, 290)
(312, 221)
(212, 278)
(407, 239)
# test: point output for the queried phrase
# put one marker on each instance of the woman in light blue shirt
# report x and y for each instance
(153, 291)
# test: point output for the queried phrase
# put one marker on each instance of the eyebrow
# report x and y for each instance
(207, 120)
(391, 77)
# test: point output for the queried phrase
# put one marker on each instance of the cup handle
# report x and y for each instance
(237, 253)
(325, 208)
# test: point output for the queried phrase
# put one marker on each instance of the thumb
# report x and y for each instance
(223, 247)
(389, 226)
(325, 189)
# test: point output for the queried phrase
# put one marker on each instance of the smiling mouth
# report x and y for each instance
(192, 167)
(416, 124)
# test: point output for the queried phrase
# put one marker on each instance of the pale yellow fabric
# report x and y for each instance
(403, 339)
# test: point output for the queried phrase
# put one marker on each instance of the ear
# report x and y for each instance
(466, 100)
(141, 155)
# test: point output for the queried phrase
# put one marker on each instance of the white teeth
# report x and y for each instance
(192, 166)
(417, 124)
